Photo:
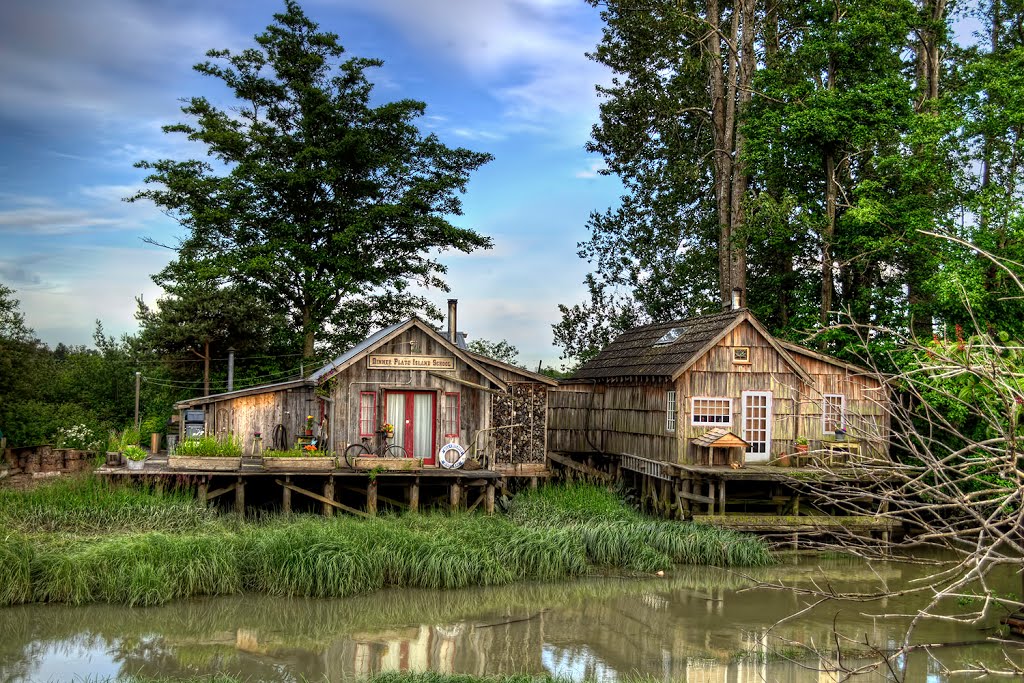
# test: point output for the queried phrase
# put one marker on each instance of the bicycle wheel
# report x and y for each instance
(397, 452)
(356, 450)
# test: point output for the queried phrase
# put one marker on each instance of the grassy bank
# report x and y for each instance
(551, 534)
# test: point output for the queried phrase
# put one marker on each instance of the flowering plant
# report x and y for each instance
(388, 429)
(309, 422)
(309, 447)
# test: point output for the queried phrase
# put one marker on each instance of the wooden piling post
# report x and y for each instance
(371, 497)
(687, 488)
(204, 486)
(711, 495)
(286, 495)
(721, 496)
(533, 483)
(240, 496)
(414, 495)
(329, 494)
(456, 495)
(489, 499)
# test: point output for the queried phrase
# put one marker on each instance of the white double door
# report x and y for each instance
(757, 425)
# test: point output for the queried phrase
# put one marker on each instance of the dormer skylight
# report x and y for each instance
(671, 336)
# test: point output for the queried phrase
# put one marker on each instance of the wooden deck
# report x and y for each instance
(363, 491)
(761, 499)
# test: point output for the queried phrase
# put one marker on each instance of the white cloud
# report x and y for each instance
(106, 59)
(89, 284)
(593, 170)
(529, 53)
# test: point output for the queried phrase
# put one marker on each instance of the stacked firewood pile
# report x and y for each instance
(37, 459)
(523, 411)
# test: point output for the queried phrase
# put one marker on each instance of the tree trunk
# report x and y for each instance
(827, 234)
(308, 334)
(730, 91)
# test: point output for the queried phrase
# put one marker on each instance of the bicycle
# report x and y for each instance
(383, 449)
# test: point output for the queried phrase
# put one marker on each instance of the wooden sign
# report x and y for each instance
(410, 363)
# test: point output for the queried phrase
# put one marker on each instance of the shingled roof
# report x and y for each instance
(636, 353)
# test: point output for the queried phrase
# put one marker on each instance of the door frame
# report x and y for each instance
(769, 419)
(410, 398)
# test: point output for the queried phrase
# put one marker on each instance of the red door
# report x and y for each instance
(412, 414)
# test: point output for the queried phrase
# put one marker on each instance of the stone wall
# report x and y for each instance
(46, 459)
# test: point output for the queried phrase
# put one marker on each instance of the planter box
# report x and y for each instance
(389, 464)
(312, 464)
(186, 462)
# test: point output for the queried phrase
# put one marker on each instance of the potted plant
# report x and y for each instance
(309, 425)
(135, 457)
(802, 446)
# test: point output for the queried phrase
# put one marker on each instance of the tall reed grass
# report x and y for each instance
(208, 446)
(94, 505)
(556, 533)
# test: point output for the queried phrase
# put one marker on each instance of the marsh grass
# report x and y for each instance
(180, 550)
(89, 504)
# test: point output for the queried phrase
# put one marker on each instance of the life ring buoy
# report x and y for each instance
(442, 456)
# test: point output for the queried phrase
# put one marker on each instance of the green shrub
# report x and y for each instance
(209, 447)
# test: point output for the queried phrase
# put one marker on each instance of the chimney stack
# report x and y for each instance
(737, 299)
(452, 322)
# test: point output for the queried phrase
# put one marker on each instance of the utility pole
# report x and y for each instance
(138, 385)
(231, 368)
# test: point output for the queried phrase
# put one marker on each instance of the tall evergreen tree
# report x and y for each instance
(329, 208)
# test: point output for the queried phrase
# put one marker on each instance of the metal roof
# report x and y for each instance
(249, 391)
(355, 351)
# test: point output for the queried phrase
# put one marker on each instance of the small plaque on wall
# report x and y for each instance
(382, 362)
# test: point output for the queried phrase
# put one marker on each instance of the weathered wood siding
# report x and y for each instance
(629, 418)
(575, 417)
(475, 413)
(867, 412)
(245, 415)
(715, 375)
(615, 418)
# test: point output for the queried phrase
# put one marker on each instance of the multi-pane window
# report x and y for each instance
(670, 411)
(833, 412)
(450, 415)
(367, 413)
(711, 411)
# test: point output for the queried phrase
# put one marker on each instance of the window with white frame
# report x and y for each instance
(367, 413)
(711, 411)
(670, 411)
(450, 415)
(833, 412)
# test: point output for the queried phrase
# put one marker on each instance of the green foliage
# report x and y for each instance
(315, 181)
(500, 350)
(552, 535)
(208, 446)
(297, 452)
(135, 453)
(128, 436)
(91, 505)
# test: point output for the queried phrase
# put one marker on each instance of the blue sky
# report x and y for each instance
(85, 87)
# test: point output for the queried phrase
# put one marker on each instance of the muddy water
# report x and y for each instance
(696, 625)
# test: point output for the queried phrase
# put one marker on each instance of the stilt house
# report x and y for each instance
(716, 390)
(427, 385)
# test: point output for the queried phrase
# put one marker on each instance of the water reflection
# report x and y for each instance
(699, 624)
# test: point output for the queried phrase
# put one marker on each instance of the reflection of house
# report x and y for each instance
(428, 385)
(657, 391)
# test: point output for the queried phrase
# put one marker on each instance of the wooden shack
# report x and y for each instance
(426, 384)
(667, 391)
